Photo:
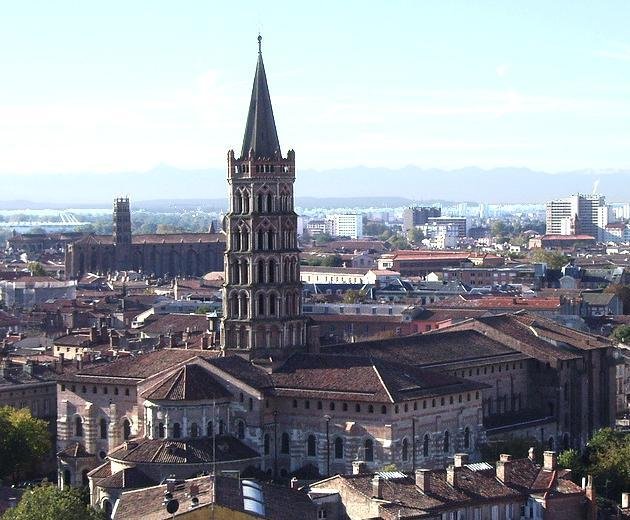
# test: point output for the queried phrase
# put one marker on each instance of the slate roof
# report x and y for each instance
(260, 131)
(166, 238)
(190, 383)
(183, 451)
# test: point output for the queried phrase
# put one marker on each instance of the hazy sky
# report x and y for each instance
(89, 86)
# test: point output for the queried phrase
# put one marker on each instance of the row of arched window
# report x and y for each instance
(266, 202)
(267, 239)
(102, 428)
(267, 271)
(311, 446)
(194, 430)
(267, 305)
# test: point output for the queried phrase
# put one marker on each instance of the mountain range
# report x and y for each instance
(168, 184)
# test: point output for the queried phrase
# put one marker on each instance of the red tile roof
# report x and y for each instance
(190, 383)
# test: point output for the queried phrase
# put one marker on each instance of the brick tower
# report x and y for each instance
(122, 232)
(262, 290)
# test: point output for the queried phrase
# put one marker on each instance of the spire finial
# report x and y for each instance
(259, 44)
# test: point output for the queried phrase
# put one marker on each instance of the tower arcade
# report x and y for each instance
(262, 290)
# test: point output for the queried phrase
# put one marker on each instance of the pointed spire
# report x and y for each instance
(260, 132)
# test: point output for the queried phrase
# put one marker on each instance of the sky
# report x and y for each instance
(97, 87)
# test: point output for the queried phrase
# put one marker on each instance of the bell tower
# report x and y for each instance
(262, 294)
(122, 232)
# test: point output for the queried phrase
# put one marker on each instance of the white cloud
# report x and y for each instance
(618, 52)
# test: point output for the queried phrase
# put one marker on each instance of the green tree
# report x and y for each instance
(621, 334)
(332, 261)
(572, 459)
(352, 296)
(374, 229)
(203, 309)
(36, 269)
(323, 238)
(48, 502)
(553, 259)
(415, 235)
(24, 440)
(499, 229)
(623, 292)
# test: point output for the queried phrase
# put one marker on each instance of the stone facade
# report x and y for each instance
(180, 254)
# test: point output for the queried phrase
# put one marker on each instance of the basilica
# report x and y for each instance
(268, 401)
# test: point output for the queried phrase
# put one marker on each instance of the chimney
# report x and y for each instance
(61, 360)
(423, 480)
(92, 334)
(4, 368)
(451, 475)
(504, 468)
(625, 500)
(531, 454)
(359, 467)
(550, 460)
(377, 487)
(460, 459)
(204, 341)
(172, 341)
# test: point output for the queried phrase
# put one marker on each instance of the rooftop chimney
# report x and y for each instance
(460, 459)
(451, 475)
(358, 467)
(550, 460)
(295, 483)
(625, 500)
(423, 480)
(531, 454)
(591, 496)
(377, 487)
(504, 468)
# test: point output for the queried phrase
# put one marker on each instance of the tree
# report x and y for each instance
(352, 296)
(47, 502)
(571, 459)
(553, 259)
(36, 269)
(203, 309)
(621, 334)
(499, 229)
(623, 292)
(24, 440)
(323, 238)
(415, 235)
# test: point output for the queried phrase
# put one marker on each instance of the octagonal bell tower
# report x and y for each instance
(262, 292)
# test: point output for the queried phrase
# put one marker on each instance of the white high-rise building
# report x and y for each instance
(347, 225)
(577, 215)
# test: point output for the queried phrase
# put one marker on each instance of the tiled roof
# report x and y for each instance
(127, 478)
(74, 450)
(190, 383)
(184, 451)
(497, 302)
(167, 238)
(173, 323)
(361, 379)
(280, 503)
(138, 367)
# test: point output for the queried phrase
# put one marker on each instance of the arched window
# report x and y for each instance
(284, 444)
(405, 450)
(261, 305)
(269, 203)
(260, 203)
(194, 430)
(240, 429)
(368, 448)
(339, 448)
(467, 437)
(78, 427)
(447, 442)
(209, 429)
(383, 409)
(103, 428)
(272, 304)
(126, 429)
(425, 446)
(107, 508)
(221, 427)
(261, 271)
(161, 430)
(311, 446)
(266, 444)
(177, 431)
(272, 271)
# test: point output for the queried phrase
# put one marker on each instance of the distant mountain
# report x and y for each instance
(166, 185)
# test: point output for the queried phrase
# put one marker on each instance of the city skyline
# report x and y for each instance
(436, 86)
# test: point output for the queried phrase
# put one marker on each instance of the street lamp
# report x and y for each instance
(327, 417)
